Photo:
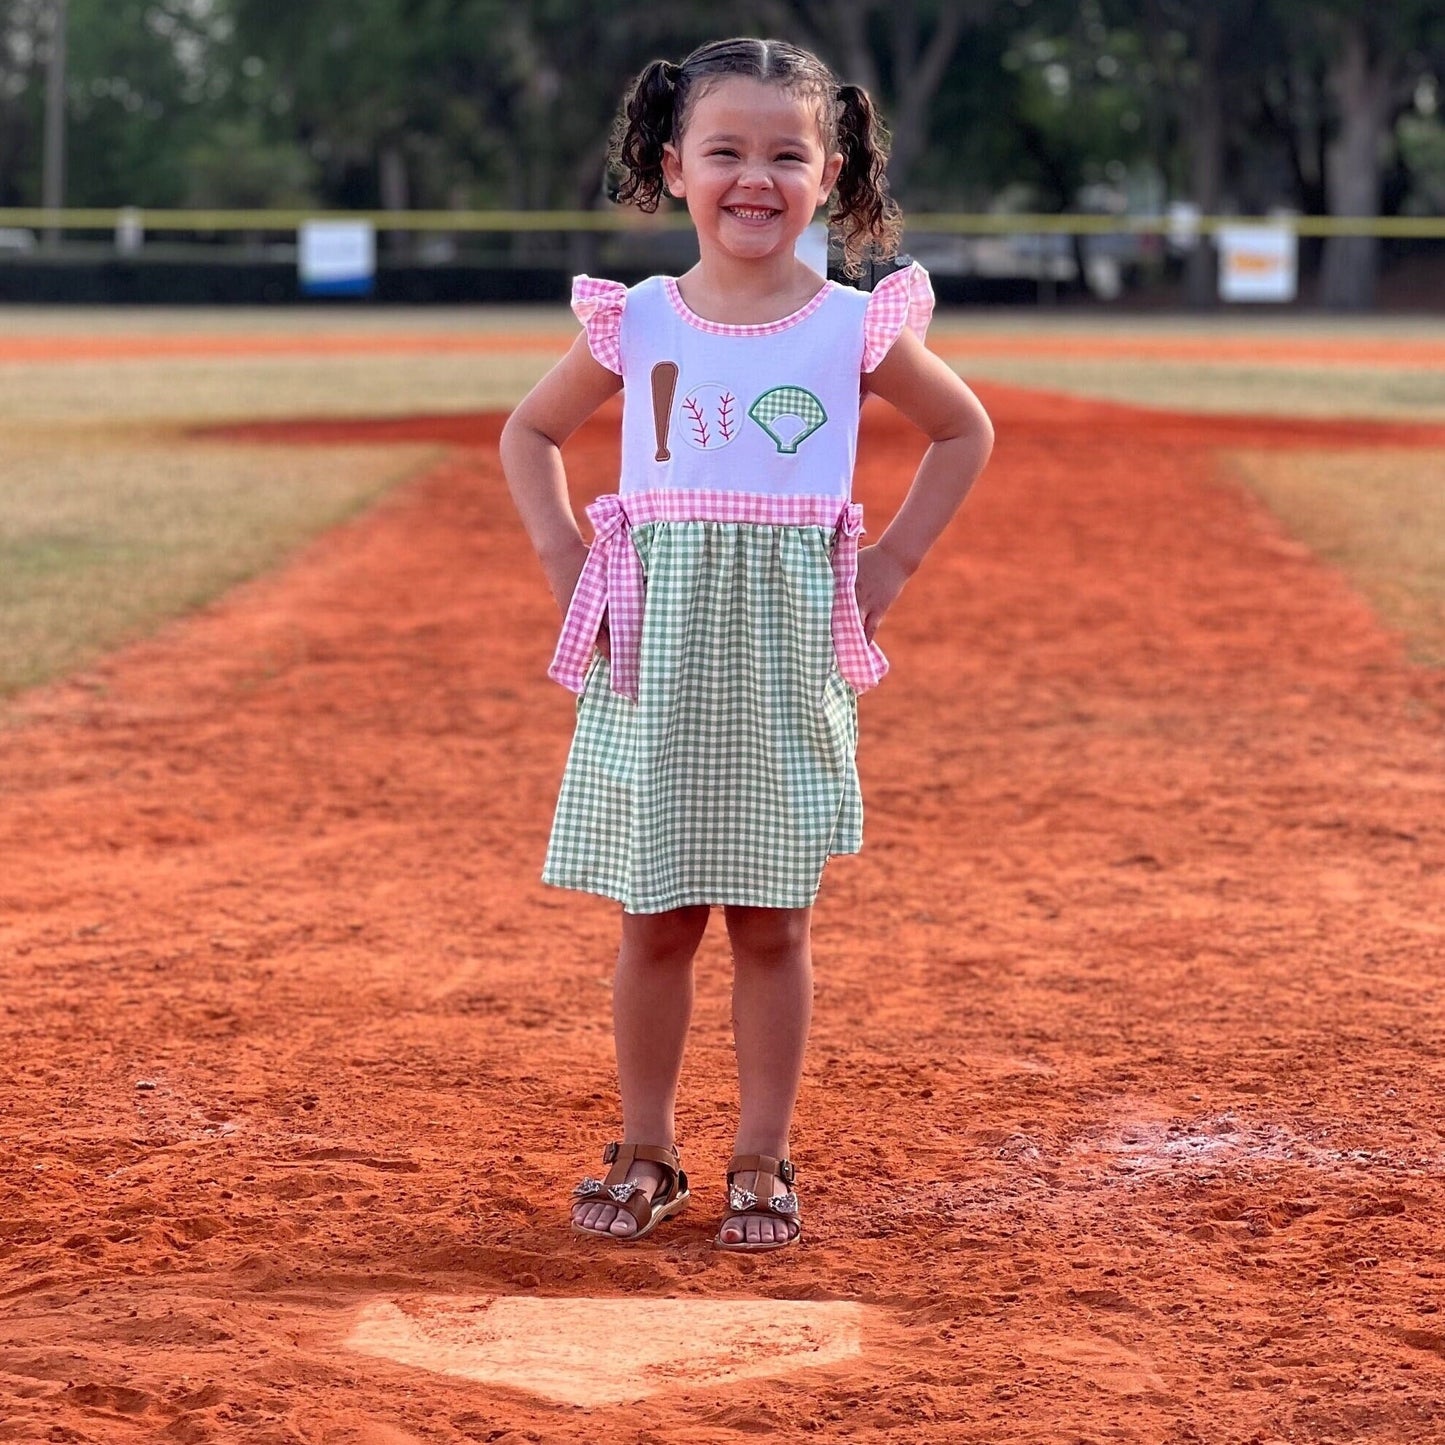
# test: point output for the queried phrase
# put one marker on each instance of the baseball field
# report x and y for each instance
(1125, 1114)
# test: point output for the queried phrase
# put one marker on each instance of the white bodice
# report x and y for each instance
(769, 409)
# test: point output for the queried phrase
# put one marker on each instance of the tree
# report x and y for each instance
(142, 88)
(23, 47)
(899, 51)
(1378, 54)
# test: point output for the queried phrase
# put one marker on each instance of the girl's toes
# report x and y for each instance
(596, 1218)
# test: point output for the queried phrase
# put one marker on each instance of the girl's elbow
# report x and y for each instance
(519, 436)
(971, 430)
(514, 430)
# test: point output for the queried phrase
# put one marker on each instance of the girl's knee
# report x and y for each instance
(667, 937)
(775, 936)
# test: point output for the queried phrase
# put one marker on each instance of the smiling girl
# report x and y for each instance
(720, 627)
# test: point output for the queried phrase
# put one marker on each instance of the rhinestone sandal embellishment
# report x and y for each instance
(741, 1201)
(591, 1188)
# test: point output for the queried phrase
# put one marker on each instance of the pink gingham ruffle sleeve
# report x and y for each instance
(901, 299)
(598, 306)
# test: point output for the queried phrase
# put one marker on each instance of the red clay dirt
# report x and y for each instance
(1123, 1115)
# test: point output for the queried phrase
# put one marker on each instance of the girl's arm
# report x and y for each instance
(935, 399)
(531, 451)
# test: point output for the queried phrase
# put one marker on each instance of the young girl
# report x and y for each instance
(721, 625)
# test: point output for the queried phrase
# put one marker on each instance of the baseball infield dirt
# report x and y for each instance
(1123, 1116)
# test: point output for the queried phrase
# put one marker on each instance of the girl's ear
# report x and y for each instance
(672, 171)
(832, 169)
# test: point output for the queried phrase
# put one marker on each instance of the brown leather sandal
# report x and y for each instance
(630, 1197)
(742, 1202)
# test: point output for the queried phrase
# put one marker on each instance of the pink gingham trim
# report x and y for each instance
(610, 586)
(598, 306)
(760, 328)
(902, 298)
(611, 583)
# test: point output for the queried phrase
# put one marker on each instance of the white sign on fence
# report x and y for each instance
(1258, 263)
(336, 258)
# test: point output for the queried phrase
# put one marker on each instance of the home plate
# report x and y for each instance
(607, 1351)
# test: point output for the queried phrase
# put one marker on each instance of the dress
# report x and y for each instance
(714, 756)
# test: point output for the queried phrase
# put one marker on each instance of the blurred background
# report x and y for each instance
(1066, 151)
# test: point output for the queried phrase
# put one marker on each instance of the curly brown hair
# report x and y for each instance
(864, 217)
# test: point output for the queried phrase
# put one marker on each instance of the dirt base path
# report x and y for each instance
(1123, 1118)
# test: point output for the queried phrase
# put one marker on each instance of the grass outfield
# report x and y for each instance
(112, 518)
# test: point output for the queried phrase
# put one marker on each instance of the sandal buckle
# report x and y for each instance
(609, 1154)
(785, 1171)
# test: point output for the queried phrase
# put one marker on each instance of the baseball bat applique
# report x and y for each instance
(664, 386)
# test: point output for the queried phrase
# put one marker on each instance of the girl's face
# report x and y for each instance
(751, 167)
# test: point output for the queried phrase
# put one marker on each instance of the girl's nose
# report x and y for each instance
(756, 175)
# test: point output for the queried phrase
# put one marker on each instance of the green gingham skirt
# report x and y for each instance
(733, 777)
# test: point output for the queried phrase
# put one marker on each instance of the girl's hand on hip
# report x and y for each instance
(563, 568)
(563, 573)
(880, 579)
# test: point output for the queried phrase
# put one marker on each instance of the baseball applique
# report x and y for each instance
(709, 417)
(789, 415)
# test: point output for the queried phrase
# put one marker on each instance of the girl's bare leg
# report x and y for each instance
(651, 1009)
(772, 1008)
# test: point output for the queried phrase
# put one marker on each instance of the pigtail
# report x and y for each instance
(866, 218)
(646, 122)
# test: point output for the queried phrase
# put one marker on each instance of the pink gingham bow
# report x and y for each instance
(611, 586)
(612, 582)
(861, 662)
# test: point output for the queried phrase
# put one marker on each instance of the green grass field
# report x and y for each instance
(112, 518)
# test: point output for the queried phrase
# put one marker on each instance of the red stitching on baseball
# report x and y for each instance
(699, 424)
(725, 416)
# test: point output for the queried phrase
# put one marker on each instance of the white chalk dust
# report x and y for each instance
(607, 1351)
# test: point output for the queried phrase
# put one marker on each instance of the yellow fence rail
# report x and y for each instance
(946, 223)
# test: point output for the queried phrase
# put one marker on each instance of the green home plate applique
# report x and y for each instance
(789, 415)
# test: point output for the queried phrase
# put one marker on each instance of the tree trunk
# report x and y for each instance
(53, 176)
(1206, 158)
(391, 183)
(917, 73)
(1362, 86)
(915, 69)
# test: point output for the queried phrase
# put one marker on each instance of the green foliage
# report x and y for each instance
(141, 89)
(236, 165)
(1421, 139)
(22, 57)
(434, 103)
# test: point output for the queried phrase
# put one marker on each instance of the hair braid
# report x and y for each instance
(867, 218)
(646, 123)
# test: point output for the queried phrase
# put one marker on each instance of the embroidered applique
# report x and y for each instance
(664, 386)
(710, 416)
(775, 409)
